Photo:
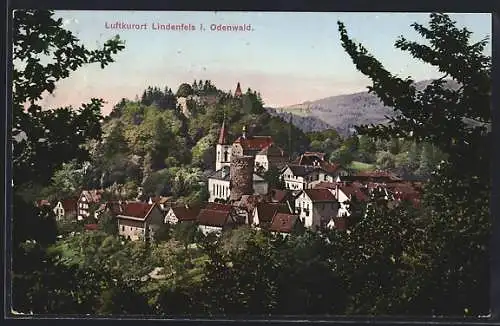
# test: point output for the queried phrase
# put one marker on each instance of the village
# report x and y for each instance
(315, 194)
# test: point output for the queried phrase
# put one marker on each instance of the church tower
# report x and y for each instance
(223, 150)
(237, 92)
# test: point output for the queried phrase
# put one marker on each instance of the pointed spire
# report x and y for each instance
(237, 92)
(223, 132)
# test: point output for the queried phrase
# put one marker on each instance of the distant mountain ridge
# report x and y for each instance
(342, 112)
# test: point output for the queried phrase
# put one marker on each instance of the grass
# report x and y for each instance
(360, 166)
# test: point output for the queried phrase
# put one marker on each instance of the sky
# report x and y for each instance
(289, 58)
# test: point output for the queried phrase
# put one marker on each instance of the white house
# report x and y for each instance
(218, 185)
(88, 201)
(139, 220)
(66, 209)
(316, 207)
(298, 177)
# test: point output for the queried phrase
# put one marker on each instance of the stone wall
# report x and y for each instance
(241, 176)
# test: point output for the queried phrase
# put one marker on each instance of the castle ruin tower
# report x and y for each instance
(241, 177)
(223, 148)
(237, 92)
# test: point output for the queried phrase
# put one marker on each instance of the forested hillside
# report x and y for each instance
(150, 143)
(343, 112)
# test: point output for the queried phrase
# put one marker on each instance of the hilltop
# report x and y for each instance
(341, 112)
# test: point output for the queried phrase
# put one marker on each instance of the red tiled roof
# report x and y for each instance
(136, 209)
(91, 227)
(283, 223)
(223, 134)
(320, 194)
(213, 217)
(352, 190)
(278, 195)
(184, 213)
(329, 167)
(42, 202)
(379, 174)
(70, 204)
(266, 211)
(326, 185)
(218, 207)
(254, 142)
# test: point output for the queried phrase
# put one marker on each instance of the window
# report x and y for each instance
(123, 228)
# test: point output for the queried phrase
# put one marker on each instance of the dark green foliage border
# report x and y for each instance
(281, 5)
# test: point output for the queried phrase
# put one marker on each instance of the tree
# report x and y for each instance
(366, 149)
(273, 178)
(108, 223)
(184, 90)
(44, 139)
(456, 199)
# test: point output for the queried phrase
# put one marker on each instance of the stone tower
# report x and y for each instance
(241, 177)
(223, 149)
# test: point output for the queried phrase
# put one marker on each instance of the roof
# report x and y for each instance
(91, 227)
(69, 204)
(223, 134)
(266, 211)
(308, 158)
(254, 143)
(320, 194)
(283, 223)
(300, 170)
(214, 215)
(272, 150)
(326, 185)
(42, 202)
(188, 213)
(353, 190)
(380, 174)
(329, 167)
(135, 210)
(278, 195)
(237, 92)
(222, 174)
(93, 196)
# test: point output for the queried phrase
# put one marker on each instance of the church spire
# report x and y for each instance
(237, 92)
(223, 132)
